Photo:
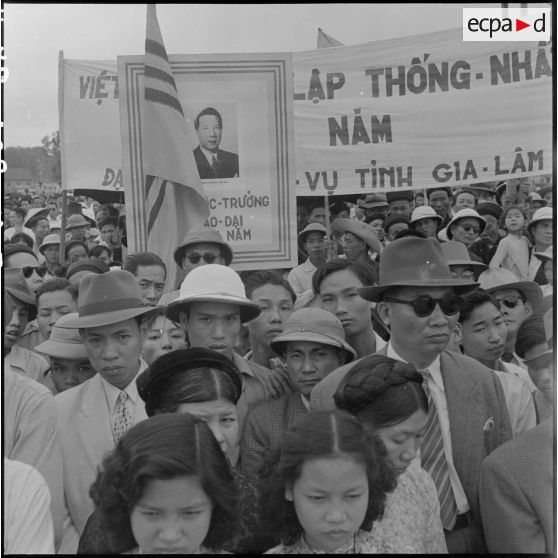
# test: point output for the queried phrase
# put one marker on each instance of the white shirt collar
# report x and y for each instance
(434, 367)
(208, 154)
(112, 392)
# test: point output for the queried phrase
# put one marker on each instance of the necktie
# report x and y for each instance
(122, 416)
(214, 164)
(434, 461)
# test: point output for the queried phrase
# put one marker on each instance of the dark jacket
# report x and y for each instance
(228, 164)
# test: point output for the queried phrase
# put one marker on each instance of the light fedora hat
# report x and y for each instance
(456, 253)
(358, 228)
(213, 283)
(314, 325)
(108, 298)
(464, 214)
(424, 212)
(375, 199)
(414, 262)
(202, 235)
(498, 278)
(76, 220)
(64, 341)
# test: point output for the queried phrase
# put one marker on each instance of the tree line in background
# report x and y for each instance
(43, 161)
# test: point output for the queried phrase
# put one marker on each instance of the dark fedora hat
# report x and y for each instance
(151, 382)
(108, 298)
(414, 262)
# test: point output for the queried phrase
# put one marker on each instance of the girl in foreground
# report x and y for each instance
(387, 394)
(325, 485)
(167, 488)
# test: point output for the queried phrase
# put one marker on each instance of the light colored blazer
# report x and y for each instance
(474, 396)
(84, 424)
(516, 493)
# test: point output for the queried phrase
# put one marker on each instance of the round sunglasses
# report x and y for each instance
(424, 305)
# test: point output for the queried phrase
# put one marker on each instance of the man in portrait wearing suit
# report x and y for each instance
(94, 415)
(211, 161)
(312, 345)
(419, 300)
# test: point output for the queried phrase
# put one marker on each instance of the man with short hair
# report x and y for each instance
(211, 161)
(16, 217)
(394, 224)
(150, 273)
(464, 199)
(440, 200)
(111, 237)
(485, 246)
(41, 228)
(211, 307)
(312, 345)
(311, 242)
(94, 415)
(517, 300)
(419, 300)
(337, 283)
(317, 214)
(483, 333)
(276, 298)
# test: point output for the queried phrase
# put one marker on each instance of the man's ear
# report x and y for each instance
(289, 493)
(383, 310)
(528, 308)
(457, 333)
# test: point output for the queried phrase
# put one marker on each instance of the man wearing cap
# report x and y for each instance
(440, 200)
(94, 415)
(375, 203)
(77, 226)
(419, 299)
(394, 224)
(50, 249)
(211, 307)
(485, 246)
(465, 226)
(69, 363)
(78, 270)
(312, 345)
(484, 192)
(18, 308)
(201, 246)
(311, 242)
(150, 273)
(425, 220)
(540, 229)
(460, 263)
(546, 194)
(517, 300)
(400, 202)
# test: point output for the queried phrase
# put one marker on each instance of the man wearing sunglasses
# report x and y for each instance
(17, 255)
(517, 300)
(201, 246)
(420, 300)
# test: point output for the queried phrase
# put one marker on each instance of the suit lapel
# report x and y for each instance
(95, 422)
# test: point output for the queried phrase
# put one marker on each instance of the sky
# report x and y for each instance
(35, 33)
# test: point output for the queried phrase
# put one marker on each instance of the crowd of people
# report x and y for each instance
(392, 393)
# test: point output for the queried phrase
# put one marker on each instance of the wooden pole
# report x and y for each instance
(63, 225)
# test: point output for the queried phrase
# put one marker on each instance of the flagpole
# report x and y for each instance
(61, 136)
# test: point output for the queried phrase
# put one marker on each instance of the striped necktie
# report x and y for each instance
(433, 460)
(122, 419)
(215, 163)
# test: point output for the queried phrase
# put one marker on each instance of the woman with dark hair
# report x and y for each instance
(161, 335)
(205, 384)
(166, 487)
(387, 394)
(325, 485)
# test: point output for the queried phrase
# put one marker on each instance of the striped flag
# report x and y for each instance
(175, 200)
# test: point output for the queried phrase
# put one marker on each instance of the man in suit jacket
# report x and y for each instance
(312, 344)
(93, 415)
(417, 298)
(516, 494)
(211, 161)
